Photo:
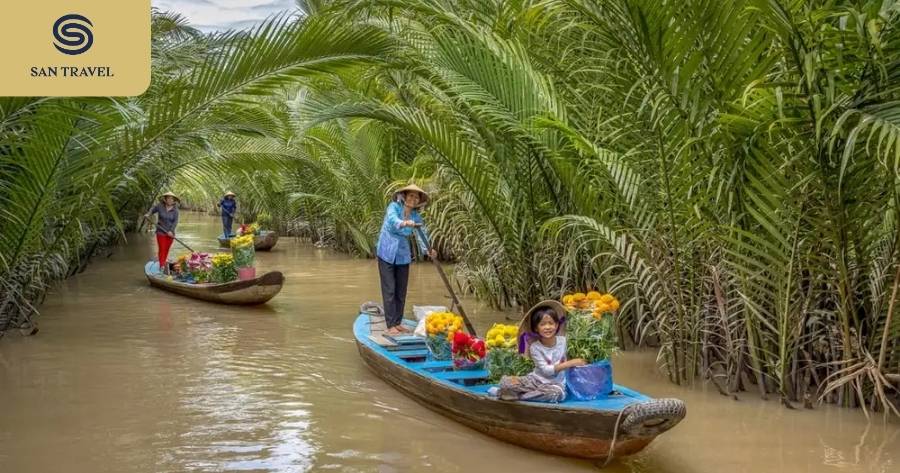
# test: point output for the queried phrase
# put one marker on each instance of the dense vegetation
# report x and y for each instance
(727, 169)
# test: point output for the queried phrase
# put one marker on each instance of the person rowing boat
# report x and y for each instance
(394, 254)
(229, 207)
(167, 220)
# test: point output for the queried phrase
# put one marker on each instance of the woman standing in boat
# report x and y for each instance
(229, 207)
(394, 253)
(167, 209)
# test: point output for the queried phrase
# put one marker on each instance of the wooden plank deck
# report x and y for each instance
(377, 328)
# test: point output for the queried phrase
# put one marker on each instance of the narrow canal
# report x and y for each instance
(127, 378)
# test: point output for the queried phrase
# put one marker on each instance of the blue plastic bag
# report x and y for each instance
(589, 382)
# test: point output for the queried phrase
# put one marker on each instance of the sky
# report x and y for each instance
(212, 15)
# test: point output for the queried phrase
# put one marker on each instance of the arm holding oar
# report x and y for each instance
(437, 264)
(169, 233)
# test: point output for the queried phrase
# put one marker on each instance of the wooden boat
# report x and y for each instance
(620, 424)
(262, 242)
(250, 292)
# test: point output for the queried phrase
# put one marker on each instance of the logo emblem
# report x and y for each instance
(72, 34)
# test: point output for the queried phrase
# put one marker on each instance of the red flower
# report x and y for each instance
(478, 348)
(460, 342)
(467, 347)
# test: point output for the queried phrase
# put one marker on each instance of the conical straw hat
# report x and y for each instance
(423, 199)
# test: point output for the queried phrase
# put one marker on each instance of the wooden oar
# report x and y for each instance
(440, 270)
(175, 238)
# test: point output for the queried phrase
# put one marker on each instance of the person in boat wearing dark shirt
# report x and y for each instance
(229, 207)
(167, 211)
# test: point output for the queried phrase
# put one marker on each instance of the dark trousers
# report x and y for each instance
(394, 281)
(226, 224)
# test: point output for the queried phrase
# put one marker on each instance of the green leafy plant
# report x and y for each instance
(223, 268)
(589, 337)
(507, 362)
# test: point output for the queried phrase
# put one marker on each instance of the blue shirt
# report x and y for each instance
(393, 242)
(229, 205)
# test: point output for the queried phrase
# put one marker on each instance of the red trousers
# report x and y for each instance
(164, 242)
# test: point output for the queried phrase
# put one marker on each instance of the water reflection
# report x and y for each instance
(124, 377)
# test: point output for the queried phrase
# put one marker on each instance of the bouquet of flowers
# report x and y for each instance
(590, 328)
(252, 229)
(243, 251)
(440, 327)
(180, 265)
(591, 335)
(468, 352)
(503, 357)
(223, 268)
(200, 266)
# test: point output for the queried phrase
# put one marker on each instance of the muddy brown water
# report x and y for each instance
(127, 378)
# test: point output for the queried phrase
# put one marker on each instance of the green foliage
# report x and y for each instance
(727, 168)
(589, 338)
(264, 219)
(223, 272)
(244, 254)
(71, 169)
(507, 362)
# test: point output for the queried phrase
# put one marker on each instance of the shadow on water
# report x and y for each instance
(125, 377)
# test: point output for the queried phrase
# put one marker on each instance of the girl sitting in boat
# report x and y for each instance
(541, 338)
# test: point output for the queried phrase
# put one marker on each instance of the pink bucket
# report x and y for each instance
(246, 273)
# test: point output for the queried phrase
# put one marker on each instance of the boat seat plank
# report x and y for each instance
(461, 375)
(410, 353)
(430, 365)
(381, 340)
(406, 339)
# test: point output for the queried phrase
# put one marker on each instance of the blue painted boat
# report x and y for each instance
(614, 426)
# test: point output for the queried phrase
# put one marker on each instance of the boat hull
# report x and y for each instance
(552, 428)
(250, 292)
(263, 242)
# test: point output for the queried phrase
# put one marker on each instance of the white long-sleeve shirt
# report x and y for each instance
(546, 358)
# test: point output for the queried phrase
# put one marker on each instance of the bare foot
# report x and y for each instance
(394, 331)
(404, 329)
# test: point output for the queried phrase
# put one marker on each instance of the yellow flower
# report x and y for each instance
(594, 295)
(222, 259)
(607, 298)
(439, 323)
(579, 296)
(614, 305)
(246, 240)
(502, 336)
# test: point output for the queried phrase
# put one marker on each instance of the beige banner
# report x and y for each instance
(75, 48)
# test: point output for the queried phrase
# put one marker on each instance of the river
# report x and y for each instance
(126, 378)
